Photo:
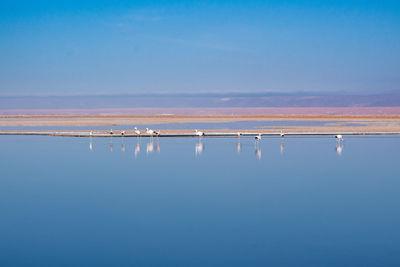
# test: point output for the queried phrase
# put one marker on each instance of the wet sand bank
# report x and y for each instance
(331, 124)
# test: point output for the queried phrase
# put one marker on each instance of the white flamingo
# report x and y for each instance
(238, 134)
(137, 132)
(339, 137)
(123, 133)
(111, 131)
(282, 134)
(157, 132)
(199, 133)
(150, 132)
(258, 137)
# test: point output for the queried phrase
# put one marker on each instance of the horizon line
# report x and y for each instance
(209, 94)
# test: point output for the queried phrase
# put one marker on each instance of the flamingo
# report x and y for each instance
(258, 137)
(157, 132)
(282, 134)
(339, 137)
(137, 132)
(111, 131)
(238, 134)
(123, 133)
(91, 133)
(149, 132)
(198, 133)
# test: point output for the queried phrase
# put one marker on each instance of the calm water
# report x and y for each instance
(179, 202)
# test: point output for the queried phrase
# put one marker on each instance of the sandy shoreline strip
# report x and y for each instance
(342, 123)
(61, 120)
(233, 111)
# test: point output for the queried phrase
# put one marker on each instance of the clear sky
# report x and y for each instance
(97, 47)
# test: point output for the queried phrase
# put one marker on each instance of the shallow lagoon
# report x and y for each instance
(182, 201)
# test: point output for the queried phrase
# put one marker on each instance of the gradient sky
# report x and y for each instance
(97, 47)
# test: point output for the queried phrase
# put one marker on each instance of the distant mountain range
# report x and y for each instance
(234, 100)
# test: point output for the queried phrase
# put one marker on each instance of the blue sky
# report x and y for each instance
(113, 47)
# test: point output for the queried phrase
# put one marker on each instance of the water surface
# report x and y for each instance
(302, 201)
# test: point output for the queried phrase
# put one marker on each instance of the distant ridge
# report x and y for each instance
(223, 100)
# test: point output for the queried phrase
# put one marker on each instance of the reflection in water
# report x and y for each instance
(199, 148)
(258, 153)
(258, 149)
(150, 146)
(238, 147)
(137, 149)
(123, 145)
(157, 146)
(153, 145)
(339, 148)
(90, 144)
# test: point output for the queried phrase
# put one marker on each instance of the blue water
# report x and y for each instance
(186, 202)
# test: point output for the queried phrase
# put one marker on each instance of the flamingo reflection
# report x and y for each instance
(339, 148)
(238, 147)
(90, 144)
(137, 149)
(282, 147)
(257, 149)
(157, 147)
(123, 145)
(111, 144)
(258, 152)
(150, 147)
(199, 148)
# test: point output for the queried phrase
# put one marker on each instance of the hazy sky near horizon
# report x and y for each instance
(113, 47)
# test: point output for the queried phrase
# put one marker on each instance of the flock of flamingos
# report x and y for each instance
(199, 146)
(152, 133)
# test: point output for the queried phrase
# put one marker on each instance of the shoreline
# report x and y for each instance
(296, 131)
(201, 111)
(330, 124)
(113, 120)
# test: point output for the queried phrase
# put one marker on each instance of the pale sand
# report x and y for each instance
(167, 119)
(368, 123)
(211, 111)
